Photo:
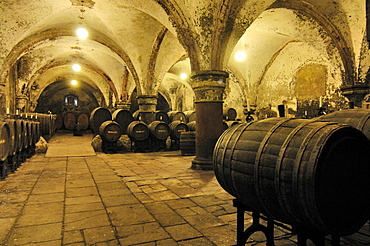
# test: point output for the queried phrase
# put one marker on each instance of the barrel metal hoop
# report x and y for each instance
(258, 159)
(279, 160)
(362, 122)
(296, 167)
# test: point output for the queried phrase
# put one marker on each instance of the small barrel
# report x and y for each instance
(97, 117)
(176, 127)
(138, 131)
(192, 126)
(309, 174)
(4, 140)
(162, 116)
(83, 121)
(187, 143)
(159, 130)
(358, 118)
(176, 116)
(123, 118)
(229, 114)
(190, 116)
(69, 120)
(110, 131)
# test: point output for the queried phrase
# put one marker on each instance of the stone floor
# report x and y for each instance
(123, 199)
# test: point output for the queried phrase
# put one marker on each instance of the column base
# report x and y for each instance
(202, 164)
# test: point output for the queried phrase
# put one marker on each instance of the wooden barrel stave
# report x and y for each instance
(273, 166)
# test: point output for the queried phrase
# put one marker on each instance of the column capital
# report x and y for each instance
(209, 85)
(147, 102)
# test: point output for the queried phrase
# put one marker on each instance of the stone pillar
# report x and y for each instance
(147, 106)
(208, 87)
(355, 93)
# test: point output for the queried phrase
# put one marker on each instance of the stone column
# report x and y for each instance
(147, 107)
(208, 87)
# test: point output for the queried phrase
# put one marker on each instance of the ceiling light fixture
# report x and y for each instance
(240, 56)
(183, 76)
(74, 82)
(76, 67)
(82, 33)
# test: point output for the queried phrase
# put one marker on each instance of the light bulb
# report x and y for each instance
(76, 67)
(183, 76)
(240, 56)
(82, 33)
(74, 82)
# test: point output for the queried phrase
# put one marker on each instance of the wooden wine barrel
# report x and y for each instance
(358, 118)
(189, 116)
(159, 130)
(123, 118)
(83, 121)
(20, 134)
(162, 116)
(138, 131)
(305, 173)
(4, 140)
(229, 114)
(176, 116)
(69, 120)
(192, 125)
(187, 143)
(13, 132)
(110, 131)
(97, 117)
(176, 127)
(27, 133)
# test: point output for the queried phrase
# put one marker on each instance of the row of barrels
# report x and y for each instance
(310, 173)
(17, 142)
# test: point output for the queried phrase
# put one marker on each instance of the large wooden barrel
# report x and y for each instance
(13, 132)
(190, 116)
(20, 134)
(176, 127)
(138, 131)
(110, 131)
(97, 117)
(358, 118)
(159, 130)
(305, 173)
(187, 143)
(69, 120)
(229, 114)
(162, 116)
(83, 121)
(176, 116)
(4, 140)
(123, 118)
(27, 133)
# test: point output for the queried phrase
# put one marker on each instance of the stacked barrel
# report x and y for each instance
(18, 137)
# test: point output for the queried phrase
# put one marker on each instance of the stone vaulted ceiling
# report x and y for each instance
(146, 44)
